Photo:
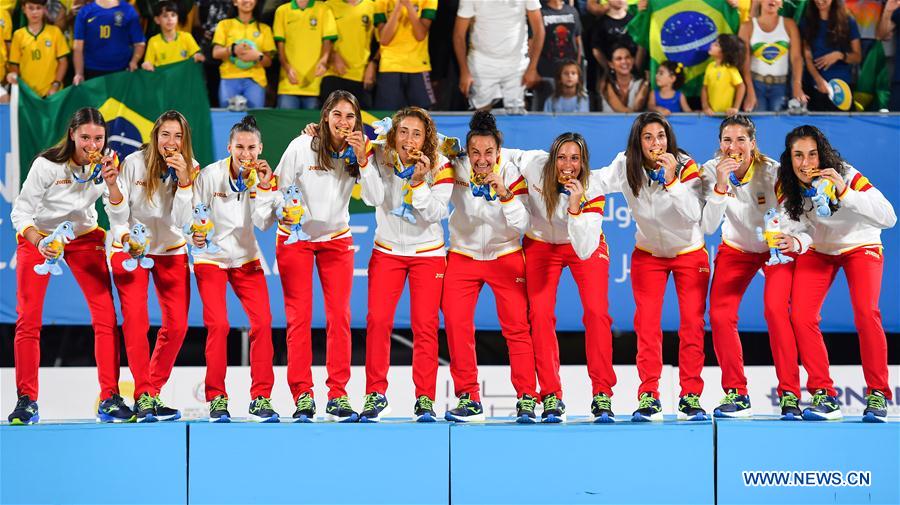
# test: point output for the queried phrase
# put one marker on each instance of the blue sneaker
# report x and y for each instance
(339, 410)
(467, 410)
(734, 405)
(306, 409)
(790, 407)
(164, 412)
(423, 411)
(649, 409)
(824, 408)
(375, 407)
(25, 412)
(601, 409)
(144, 409)
(525, 410)
(114, 410)
(876, 408)
(218, 410)
(689, 408)
(261, 410)
(554, 410)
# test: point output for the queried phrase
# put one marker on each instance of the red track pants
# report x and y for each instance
(462, 283)
(334, 260)
(649, 275)
(813, 277)
(172, 279)
(387, 275)
(86, 258)
(249, 284)
(734, 272)
(543, 266)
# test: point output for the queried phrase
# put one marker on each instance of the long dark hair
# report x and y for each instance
(790, 184)
(838, 34)
(732, 50)
(551, 193)
(65, 148)
(484, 124)
(747, 124)
(634, 154)
(322, 143)
(154, 162)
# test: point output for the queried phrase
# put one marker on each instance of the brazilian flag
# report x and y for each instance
(682, 31)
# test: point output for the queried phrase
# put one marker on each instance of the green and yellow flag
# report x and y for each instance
(682, 31)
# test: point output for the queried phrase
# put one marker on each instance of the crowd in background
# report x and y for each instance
(537, 55)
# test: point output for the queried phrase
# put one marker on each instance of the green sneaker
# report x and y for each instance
(876, 408)
(25, 412)
(261, 410)
(467, 410)
(339, 410)
(218, 410)
(525, 410)
(375, 408)
(689, 408)
(306, 409)
(734, 405)
(145, 409)
(554, 410)
(114, 410)
(649, 409)
(824, 408)
(790, 407)
(423, 411)
(164, 412)
(601, 408)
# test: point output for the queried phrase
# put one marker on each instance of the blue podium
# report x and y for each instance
(93, 463)
(805, 463)
(389, 463)
(581, 462)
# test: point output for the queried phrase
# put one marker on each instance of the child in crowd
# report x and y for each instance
(723, 87)
(569, 94)
(666, 98)
(170, 45)
(38, 52)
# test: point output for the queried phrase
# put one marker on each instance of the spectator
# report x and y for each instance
(5, 39)
(568, 90)
(148, 10)
(723, 87)
(830, 46)
(623, 91)
(38, 52)
(351, 67)
(774, 53)
(562, 41)
(209, 14)
(890, 18)
(403, 78)
(501, 63)
(171, 45)
(108, 38)
(305, 31)
(610, 31)
(245, 47)
(666, 98)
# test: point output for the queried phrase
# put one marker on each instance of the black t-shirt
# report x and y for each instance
(608, 32)
(560, 29)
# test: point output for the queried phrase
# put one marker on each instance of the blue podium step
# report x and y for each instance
(389, 463)
(93, 463)
(806, 463)
(581, 462)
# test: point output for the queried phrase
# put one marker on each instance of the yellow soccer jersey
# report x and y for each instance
(303, 31)
(37, 56)
(355, 25)
(162, 52)
(405, 53)
(720, 82)
(233, 31)
(5, 25)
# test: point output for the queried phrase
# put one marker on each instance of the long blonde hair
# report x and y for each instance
(550, 187)
(155, 162)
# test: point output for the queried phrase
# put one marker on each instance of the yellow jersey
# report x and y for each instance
(37, 54)
(721, 82)
(164, 52)
(303, 31)
(233, 31)
(355, 25)
(404, 53)
(5, 36)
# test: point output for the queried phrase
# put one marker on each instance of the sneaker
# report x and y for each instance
(689, 408)
(114, 410)
(467, 410)
(339, 410)
(164, 412)
(790, 407)
(306, 409)
(554, 410)
(144, 409)
(375, 408)
(26, 411)
(601, 408)
(824, 408)
(423, 411)
(261, 410)
(876, 408)
(218, 410)
(734, 405)
(649, 409)
(525, 410)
